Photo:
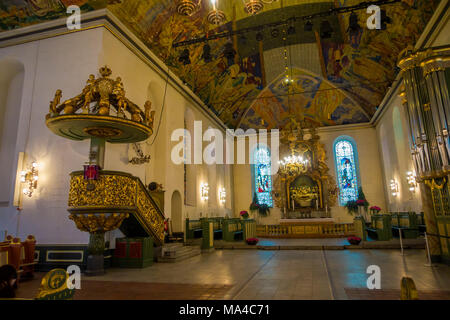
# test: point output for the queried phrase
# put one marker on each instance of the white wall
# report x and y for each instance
(396, 157)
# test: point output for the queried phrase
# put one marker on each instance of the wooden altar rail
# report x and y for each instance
(331, 230)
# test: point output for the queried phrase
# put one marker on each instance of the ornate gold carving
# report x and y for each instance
(110, 191)
(305, 143)
(101, 222)
(430, 60)
(102, 132)
(54, 286)
(97, 97)
(116, 193)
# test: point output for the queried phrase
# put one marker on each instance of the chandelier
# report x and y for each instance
(253, 6)
(188, 7)
(216, 16)
(293, 165)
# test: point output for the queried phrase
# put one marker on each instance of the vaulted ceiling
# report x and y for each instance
(338, 80)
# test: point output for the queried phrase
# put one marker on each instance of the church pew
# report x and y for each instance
(407, 222)
(193, 229)
(19, 254)
(381, 228)
(217, 225)
(421, 223)
(232, 229)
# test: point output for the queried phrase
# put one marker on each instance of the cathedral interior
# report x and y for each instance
(225, 149)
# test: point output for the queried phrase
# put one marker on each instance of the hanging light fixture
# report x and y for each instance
(293, 164)
(188, 7)
(216, 16)
(253, 6)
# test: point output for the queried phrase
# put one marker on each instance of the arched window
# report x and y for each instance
(346, 169)
(263, 180)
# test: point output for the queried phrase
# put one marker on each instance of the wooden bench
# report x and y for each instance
(405, 222)
(193, 229)
(232, 229)
(380, 228)
(19, 254)
(217, 225)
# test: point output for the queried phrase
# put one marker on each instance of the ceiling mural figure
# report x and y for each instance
(357, 69)
(309, 97)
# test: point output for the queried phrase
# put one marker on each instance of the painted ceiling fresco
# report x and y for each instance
(356, 70)
(308, 98)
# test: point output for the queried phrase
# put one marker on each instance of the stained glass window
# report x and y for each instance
(263, 180)
(346, 171)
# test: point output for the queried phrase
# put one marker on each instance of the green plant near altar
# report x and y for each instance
(362, 199)
(263, 209)
(352, 206)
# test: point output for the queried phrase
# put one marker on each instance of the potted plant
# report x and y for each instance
(351, 207)
(244, 214)
(354, 240)
(374, 210)
(362, 203)
(252, 241)
(263, 209)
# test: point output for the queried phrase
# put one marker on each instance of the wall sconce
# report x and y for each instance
(30, 178)
(411, 178)
(394, 187)
(222, 195)
(204, 190)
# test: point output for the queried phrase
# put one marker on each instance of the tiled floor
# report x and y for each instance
(260, 274)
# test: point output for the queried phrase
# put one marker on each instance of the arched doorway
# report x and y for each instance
(176, 214)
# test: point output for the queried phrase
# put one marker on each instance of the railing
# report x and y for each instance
(329, 230)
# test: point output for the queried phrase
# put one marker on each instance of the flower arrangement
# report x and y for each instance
(244, 214)
(362, 202)
(354, 240)
(374, 209)
(263, 209)
(252, 241)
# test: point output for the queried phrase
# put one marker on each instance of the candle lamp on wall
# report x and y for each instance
(222, 195)
(30, 178)
(394, 188)
(411, 178)
(204, 191)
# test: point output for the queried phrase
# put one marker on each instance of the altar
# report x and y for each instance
(303, 187)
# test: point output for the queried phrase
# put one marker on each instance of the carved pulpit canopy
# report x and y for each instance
(101, 110)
